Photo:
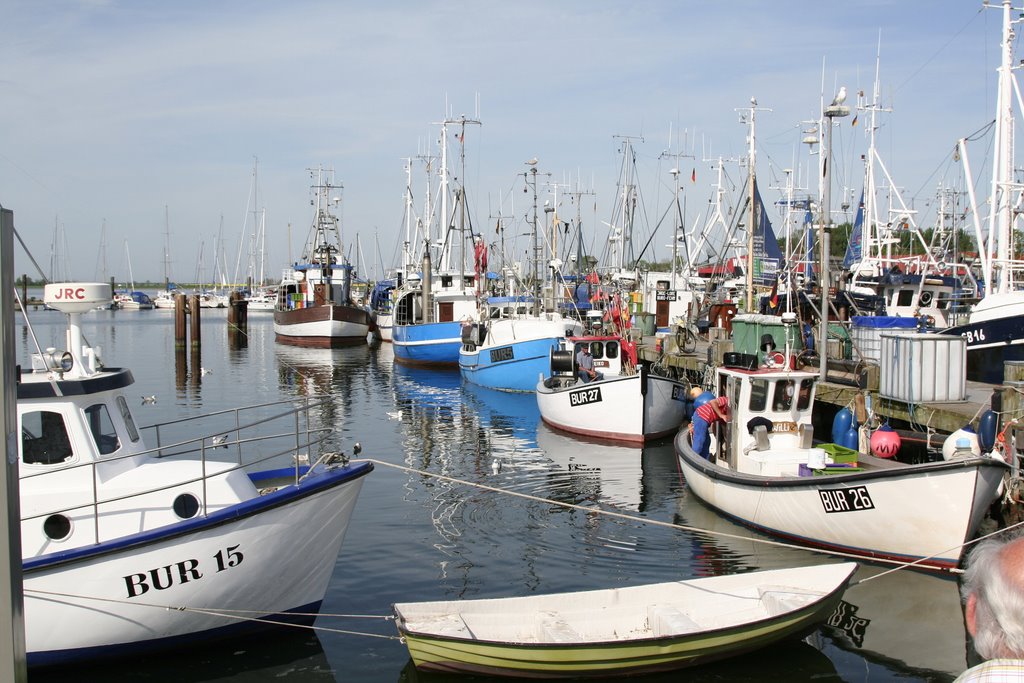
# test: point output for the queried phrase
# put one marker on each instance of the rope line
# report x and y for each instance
(236, 614)
(682, 527)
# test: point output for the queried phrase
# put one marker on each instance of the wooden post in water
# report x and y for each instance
(13, 665)
(238, 321)
(180, 322)
(197, 336)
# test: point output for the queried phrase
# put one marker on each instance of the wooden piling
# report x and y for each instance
(238, 321)
(180, 322)
(194, 308)
(1013, 383)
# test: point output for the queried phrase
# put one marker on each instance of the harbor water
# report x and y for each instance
(416, 537)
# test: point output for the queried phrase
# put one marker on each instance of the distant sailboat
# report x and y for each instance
(165, 297)
(131, 299)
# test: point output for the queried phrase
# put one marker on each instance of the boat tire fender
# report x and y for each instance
(759, 421)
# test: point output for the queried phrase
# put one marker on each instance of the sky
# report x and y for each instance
(125, 125)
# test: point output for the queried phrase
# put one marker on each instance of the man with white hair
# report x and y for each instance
(993, 594)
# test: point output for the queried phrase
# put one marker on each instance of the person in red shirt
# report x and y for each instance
(717, 409)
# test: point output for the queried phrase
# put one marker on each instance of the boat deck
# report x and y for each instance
(846, 381)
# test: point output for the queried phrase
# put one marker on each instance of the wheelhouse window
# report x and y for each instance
(783, 398)
(129, 421)
(612, 349)
(806, 388)
(758, 395)
(44, 438)
(102, 429)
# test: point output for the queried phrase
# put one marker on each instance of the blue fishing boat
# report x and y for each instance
(431, 308)
(508, 349)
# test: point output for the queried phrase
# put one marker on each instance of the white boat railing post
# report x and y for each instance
(202, 458)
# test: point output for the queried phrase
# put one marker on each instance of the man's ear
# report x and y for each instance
(971, 613)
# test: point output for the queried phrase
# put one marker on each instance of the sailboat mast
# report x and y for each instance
(167, 248)
(752, 169)
(1001, 220)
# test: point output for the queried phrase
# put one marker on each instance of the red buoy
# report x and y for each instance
(885, 443)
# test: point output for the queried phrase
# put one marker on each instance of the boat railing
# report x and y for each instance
(298, 441)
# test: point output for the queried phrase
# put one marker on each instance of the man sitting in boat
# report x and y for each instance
(585, 365)
(993, 588)
(704, 416)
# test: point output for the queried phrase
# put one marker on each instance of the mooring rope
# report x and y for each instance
(898, 565)
(255, 615)
(236, 614)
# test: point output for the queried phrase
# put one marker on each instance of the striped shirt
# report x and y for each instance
(707, 413)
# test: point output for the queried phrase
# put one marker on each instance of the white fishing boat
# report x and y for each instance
(314, 300)
(628, 403)
(136, 539)
(621, 631)
(766, 472)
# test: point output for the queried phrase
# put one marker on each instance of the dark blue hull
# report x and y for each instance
(990, 344)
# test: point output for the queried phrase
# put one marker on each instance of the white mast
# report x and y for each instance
(1003, 189)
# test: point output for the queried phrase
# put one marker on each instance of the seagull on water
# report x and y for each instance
(219, 440)
(203, 372)
(395, 416)
(148, 399)
(840, 97)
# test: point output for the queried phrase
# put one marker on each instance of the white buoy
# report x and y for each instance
(949, 446)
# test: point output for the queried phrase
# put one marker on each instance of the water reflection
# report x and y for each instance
(289, 655)
(906, 620)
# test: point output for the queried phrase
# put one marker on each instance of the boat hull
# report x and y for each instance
(634, 408)
(919, 513)
(622, 632)
(515, 353)
(427, 344)
(199, 579)
(990, 344)
(326, 326)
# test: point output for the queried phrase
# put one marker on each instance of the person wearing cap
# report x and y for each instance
(717, 409)
(993, 595)
(585, 365)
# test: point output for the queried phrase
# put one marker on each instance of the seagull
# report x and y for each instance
(532, 162)
(840, 97)
(357, 448)
(148, 399)
(495, 465)
(219, 440)
(395, 416)
(203, 372)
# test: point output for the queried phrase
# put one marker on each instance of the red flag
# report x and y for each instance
(693, 176)
(773, 299)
